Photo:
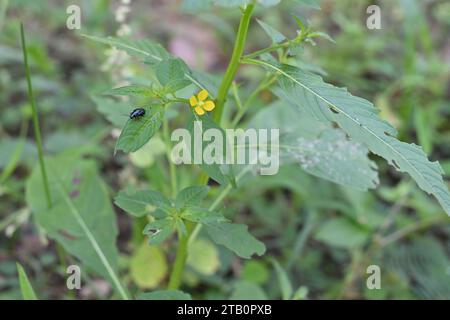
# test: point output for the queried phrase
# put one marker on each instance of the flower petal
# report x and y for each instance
(209, 105)
(202, 95)
(193, 101)
(199, 111)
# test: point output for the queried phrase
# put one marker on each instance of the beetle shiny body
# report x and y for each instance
(136, 113)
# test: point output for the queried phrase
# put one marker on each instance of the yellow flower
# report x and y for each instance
(200, 103)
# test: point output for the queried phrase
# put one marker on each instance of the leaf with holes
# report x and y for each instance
(359, 119)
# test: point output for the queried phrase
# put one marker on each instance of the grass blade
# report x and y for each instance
(25, 285)
(37, 131)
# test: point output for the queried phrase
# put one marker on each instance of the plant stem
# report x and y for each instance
(184, 240)
(234, 62)
(37, 131)
(180, 259)
(266, 50)
(173, 176)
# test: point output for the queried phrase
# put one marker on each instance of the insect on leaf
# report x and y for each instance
(138, 131)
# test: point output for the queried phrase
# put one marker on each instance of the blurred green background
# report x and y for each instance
(323, 235)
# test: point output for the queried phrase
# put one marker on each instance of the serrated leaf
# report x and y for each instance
(359, 119)
(115, 111)
(323, 35)
(81, 218)
(150, 52)
(143, 202)
(165, 295)
(316, 147)
(170, 69)
(159, 230)
(202, 215)
(274, 34)
(133, 90)
(138, 131)
(236, 238)
(191, 196)
(147, 49)
(25, 285)
(221, 173)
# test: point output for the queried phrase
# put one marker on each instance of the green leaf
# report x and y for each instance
(202, 215)
(275, 35)
(148, 266)
(143, 202)
(81, 218)
(245, 290)
(317, 147)
(25, 286)
(342, 233)
(236, 238)
(203, 257)
(283, 281)
(115, 111)
(165, 295)
(221, 173)
(255, 271)
(323, 35)
(359, 119)
(159, 230)
(148, 51)
(138, 131)
(191, 196)
(144, 49)
(133, 90)
(170, 69)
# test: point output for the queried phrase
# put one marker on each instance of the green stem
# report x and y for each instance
(234, 62)
(173, 176)
(266, 50)
(184, 240)
(180, 259)
(37, 131)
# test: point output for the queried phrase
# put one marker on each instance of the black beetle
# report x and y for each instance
(136, 113)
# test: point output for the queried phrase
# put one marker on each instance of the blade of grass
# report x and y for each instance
(37, 132)
(25, 285)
